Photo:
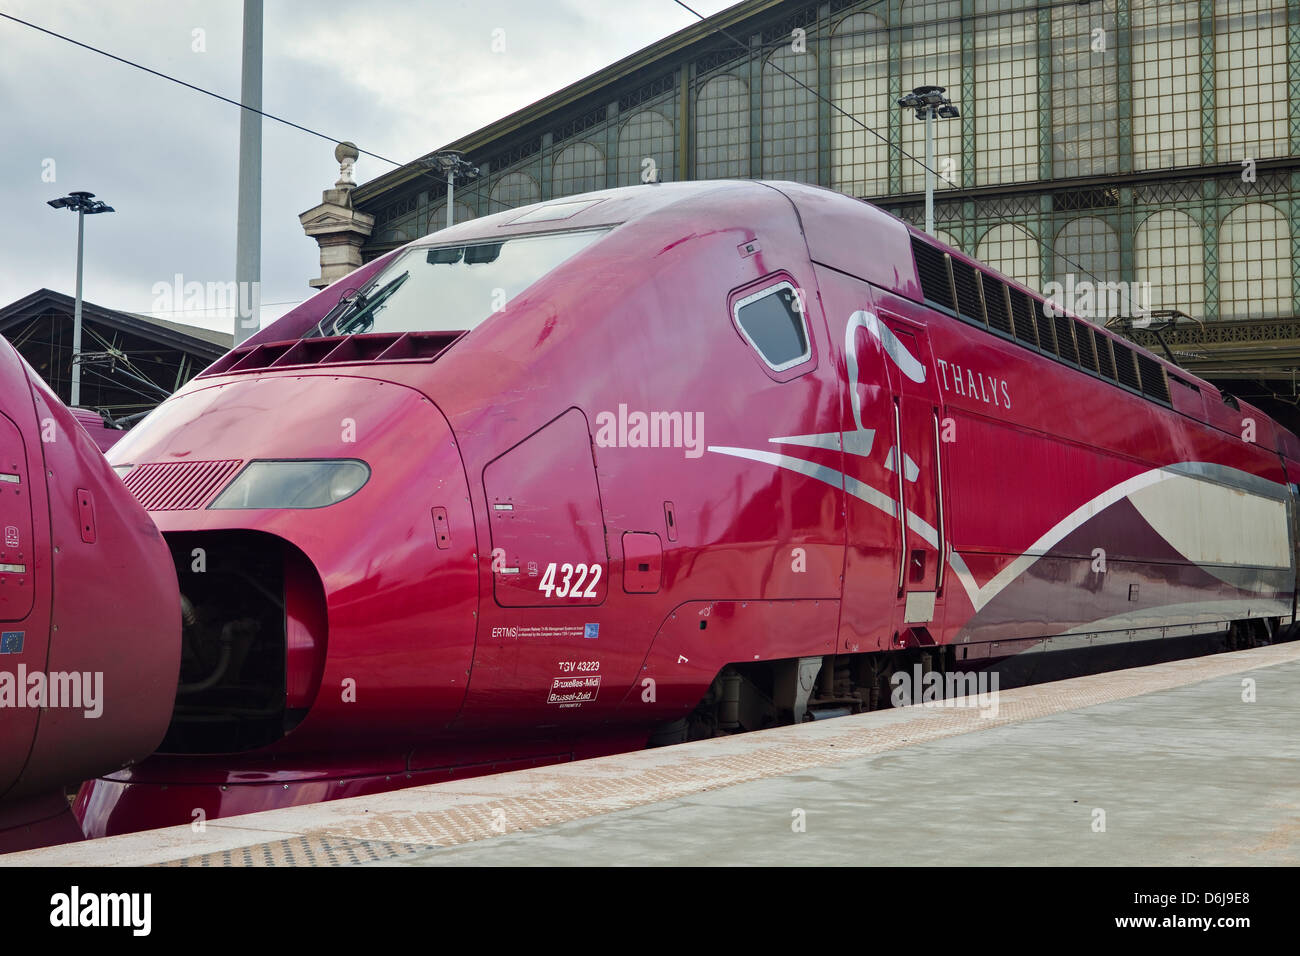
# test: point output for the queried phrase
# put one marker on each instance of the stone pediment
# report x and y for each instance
(329, 217)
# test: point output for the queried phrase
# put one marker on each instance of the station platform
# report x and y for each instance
(1173, 759)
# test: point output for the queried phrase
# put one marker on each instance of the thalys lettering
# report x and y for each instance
(970, 383)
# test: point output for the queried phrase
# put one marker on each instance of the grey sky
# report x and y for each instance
(398, 77)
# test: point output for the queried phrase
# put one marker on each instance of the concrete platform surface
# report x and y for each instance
(1165, 764)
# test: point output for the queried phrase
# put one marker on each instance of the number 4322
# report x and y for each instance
(567, 586)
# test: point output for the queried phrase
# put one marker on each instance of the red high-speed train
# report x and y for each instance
(90, 619)
(662, 462)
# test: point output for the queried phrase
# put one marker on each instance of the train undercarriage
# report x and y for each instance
(755, 695)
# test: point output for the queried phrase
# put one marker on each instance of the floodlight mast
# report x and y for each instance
(453, 164)
(83, 204)
(929, 104)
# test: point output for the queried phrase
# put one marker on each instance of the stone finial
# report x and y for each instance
(338, 229)
(346, 154)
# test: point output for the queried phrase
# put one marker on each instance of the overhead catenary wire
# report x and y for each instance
(222, 309)
(191, 86)
(722, 30)
(223, 98)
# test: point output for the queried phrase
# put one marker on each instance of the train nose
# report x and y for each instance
(325, 549)
(88, 611)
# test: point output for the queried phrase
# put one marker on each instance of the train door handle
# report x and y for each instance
(942, 542)
(902, 505)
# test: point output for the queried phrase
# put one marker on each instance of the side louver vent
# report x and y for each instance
(1153, 378)
(1046, 327)
(932, 267)
(968, 292)
(995, 301)
(1125, 366)
(1083, 339)
(1105, 364)
(1065, 338)
(1023, 307)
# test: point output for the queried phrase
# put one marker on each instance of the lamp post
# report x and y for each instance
(83, 203)
(454, 166)
(929, 104)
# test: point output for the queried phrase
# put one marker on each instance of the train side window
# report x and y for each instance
(772, 321)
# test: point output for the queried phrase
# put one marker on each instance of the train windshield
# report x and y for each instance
(451, 288)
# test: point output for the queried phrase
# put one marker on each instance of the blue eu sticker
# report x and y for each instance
(591, 630)
(11, 642)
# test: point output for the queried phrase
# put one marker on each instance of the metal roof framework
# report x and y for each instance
(130, 361)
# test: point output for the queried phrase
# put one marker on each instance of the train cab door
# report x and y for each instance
(913, 457)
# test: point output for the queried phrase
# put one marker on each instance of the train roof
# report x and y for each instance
(844, 233)
(859, 239)
(605, 207)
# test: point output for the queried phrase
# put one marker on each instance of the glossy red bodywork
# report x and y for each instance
(486, 457)
(97, 596)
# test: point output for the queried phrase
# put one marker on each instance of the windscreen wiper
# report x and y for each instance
(330, 322)
(346, 324)
(349, 301)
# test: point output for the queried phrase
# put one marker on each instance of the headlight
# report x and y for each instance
(122, 470)
(294, 484)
